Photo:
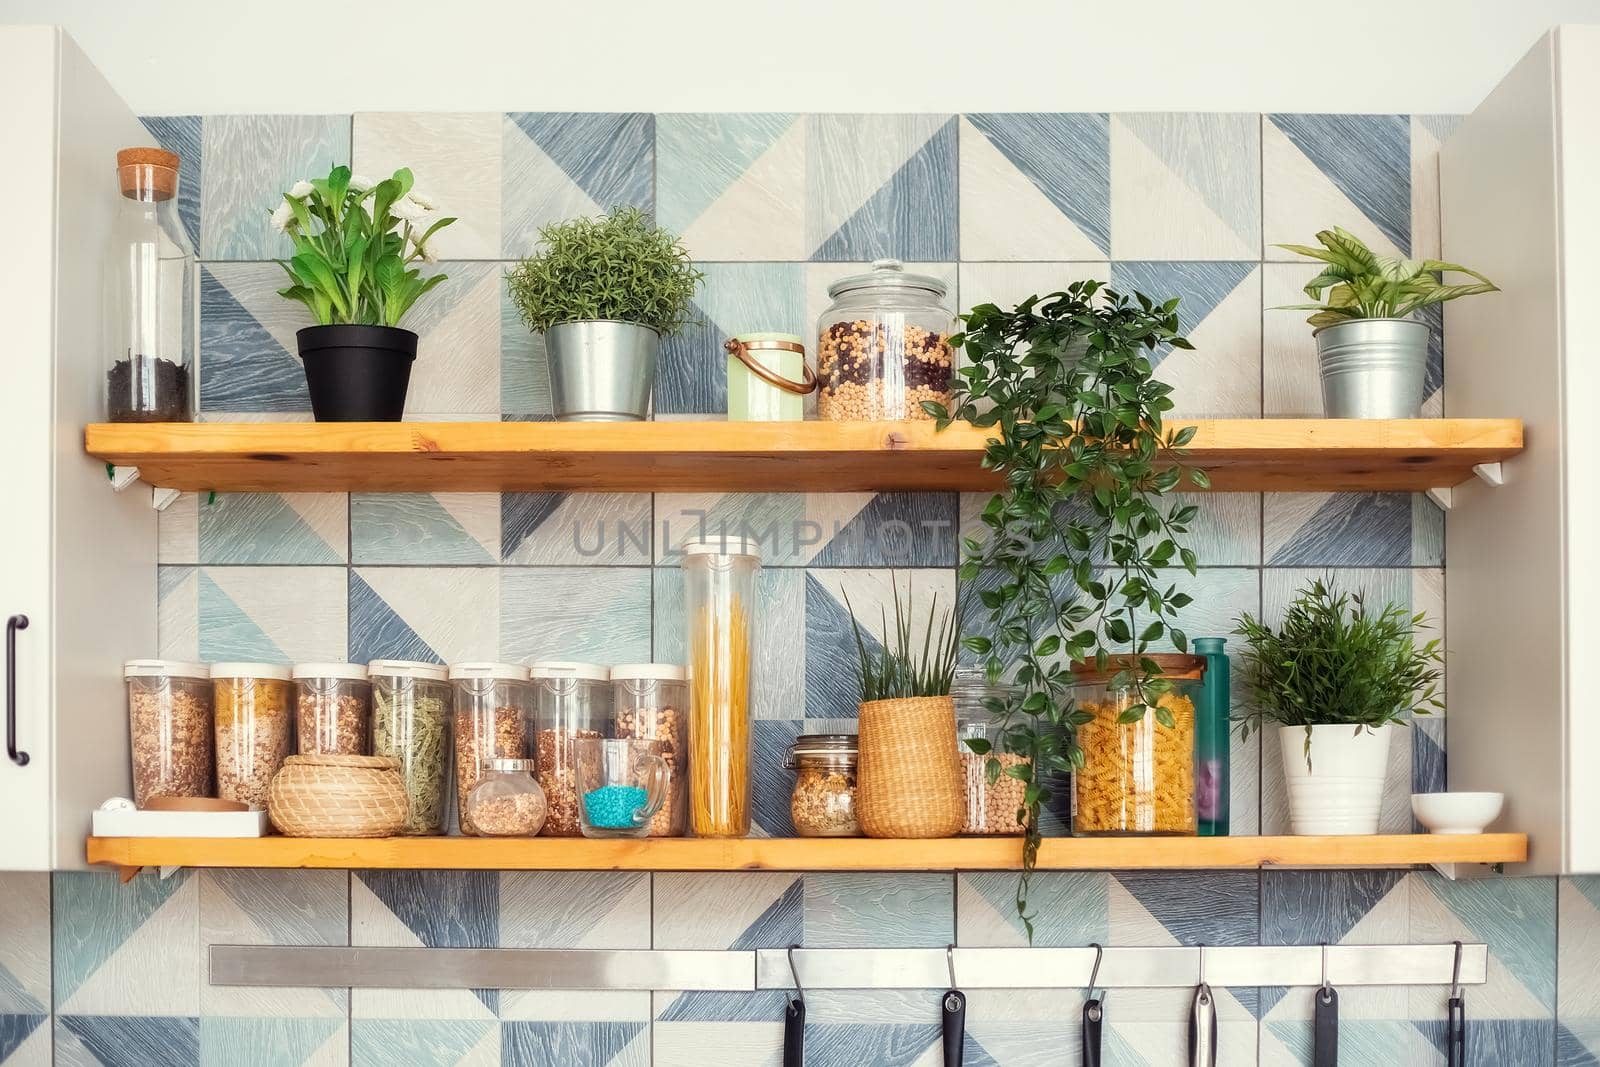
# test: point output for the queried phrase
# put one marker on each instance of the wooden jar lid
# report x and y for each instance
(1175, 665)
(152, 170)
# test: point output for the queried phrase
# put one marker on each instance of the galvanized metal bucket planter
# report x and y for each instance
(1373, 368)
(601, 371)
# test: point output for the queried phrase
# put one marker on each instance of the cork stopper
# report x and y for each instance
(147, 173)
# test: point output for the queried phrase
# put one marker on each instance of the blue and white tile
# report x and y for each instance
(734, 298)
(524, 368)
(260, 907)
(733, 185)
(248, 360)
(1220, 313)
(274, 1041)
(558, 165)
(1036, 187)
(185, 135)
(424, 909)
(595, 614)
(434, 614)
(25, 969)
(251, 160)
(272, 614)
(424, 1042)
(849, 909)
(1185, 186)
(832, 684)
(1290, 381)
(178, 612)
(457, 372)
(1511, 1018)
(781, 524)
(433, 529)
(127, 1041)
(178, 530)
(881, 186)
(780, 638)
(110, 938)
(1578, 992)
(1321, 171)
(587, 529)
(455, 158)
(1428, 134)
(1352, 530)
(818, 529)
(1009, 284)
(262, 528)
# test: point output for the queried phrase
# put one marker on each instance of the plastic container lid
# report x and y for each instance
(500, 672)
(352, 672)
(560, 668)
(723, 545)
(408, 668)
(888, 272)
(657, 672)
(274, 671)
(164, 668)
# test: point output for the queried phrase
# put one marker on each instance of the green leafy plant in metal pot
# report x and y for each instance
(1079, 544)
(899, 669)
(1334, 661)
(355, 245)
(620, 266)
(1360, 284)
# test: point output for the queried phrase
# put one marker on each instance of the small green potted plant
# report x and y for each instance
(604, 292)
(1338, 679)
(1373, 354)
(356, 243)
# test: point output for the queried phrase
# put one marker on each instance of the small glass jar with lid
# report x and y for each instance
(171, 727)
(651, 702)
(253, 702)
(333, 706)
(507, 802)
(993, 805)
(824, 799)
(151, 296)
(493, 705)
(1138, 777)
(411, 713)
(572, 703)
(883, 345)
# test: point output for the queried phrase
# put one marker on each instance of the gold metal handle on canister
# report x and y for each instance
(741, 349)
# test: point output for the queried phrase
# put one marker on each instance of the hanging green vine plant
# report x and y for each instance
(1072, 567)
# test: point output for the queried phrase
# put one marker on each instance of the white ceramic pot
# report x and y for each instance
(1341, 789)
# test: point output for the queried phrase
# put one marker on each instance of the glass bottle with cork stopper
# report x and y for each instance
(150, 295)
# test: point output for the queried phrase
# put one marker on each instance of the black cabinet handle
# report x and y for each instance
(13, 624)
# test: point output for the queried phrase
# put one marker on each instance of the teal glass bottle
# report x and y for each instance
(1211, 740)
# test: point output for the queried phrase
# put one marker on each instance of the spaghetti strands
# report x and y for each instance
(719, 719)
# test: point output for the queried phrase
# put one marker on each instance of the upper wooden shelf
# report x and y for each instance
(1288, 455)
(807, 854)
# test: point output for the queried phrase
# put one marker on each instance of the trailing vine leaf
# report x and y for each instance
(1078, 549)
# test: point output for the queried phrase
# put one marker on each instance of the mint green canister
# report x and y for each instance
(768, 377)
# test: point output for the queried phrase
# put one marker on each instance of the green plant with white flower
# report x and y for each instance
(355, 245)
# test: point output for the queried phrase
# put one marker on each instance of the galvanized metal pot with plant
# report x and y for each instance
(356, 243)
(1338, 678)
(604, 292)
(1372, 353)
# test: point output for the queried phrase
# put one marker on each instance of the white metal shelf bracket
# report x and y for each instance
(121, 477)
(1490, 474)
(161, 499)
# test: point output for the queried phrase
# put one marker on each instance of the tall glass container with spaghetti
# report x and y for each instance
(719, 576)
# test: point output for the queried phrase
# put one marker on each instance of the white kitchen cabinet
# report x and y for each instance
(1521, 202)
(79, 559)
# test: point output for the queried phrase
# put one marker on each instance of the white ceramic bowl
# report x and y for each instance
(1456, 813)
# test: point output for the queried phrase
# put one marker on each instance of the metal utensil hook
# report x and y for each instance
(1326, 992)
(950, 962)
(1455, 972)
(1202, 968)
(799, 990)
(1094, 971)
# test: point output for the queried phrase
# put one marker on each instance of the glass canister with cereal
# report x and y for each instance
(883, 345)
(652, 704)
(493, 705)
(572, 703)
(171, 728)
(1138, 773)
(824, 799)
(253, 728)
(992, 804)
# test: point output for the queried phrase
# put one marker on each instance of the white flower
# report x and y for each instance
(408, 209)
(425, 201)
(282, 217)
(360, 182)
(301, 189)
(427, 253)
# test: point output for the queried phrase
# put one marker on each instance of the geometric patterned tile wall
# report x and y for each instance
(773, 207)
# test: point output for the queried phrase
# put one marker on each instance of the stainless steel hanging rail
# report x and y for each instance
(1130, 967)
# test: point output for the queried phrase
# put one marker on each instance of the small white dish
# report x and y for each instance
(1456, 813)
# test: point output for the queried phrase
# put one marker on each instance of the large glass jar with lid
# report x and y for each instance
(994, 804)
(150, 299)
(883, 345)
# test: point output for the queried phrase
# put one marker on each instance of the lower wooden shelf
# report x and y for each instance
(806, 854)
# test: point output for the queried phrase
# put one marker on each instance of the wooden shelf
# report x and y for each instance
(1310, 455)
(807, 854)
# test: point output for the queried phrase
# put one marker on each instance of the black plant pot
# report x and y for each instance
(357, 373)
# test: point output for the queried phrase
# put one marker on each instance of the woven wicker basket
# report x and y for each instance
(908, 783)
(337, 796)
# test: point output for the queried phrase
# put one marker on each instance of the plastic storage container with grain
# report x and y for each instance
(572, 703)
(171, 728)
(824, 800)
(493, 706)
(411, 712)
(651, 702)
(1138, 777)
(333, 705)
(253, 728)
